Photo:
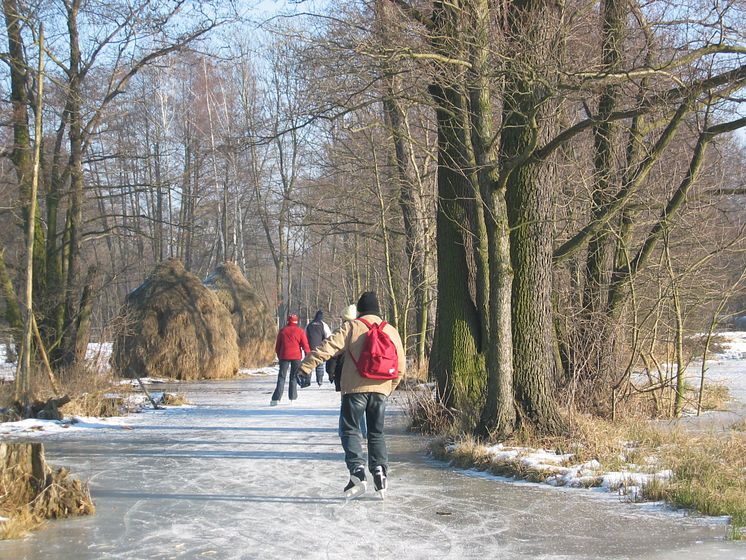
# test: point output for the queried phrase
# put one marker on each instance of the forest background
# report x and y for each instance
(548, 196)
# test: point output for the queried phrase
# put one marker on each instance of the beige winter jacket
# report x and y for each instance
(349, 338)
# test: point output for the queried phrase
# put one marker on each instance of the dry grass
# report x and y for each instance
(426, 413)
(18, 523)
(714, 396)
(709, 475)
(709, 471)
(30, 491)
(417, 374)
(174, 399)
(254, 325)
(99, 404)
(173, 325)
(92, 392)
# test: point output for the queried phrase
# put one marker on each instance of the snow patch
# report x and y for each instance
(34, 427)
(258, 372)
(147, 381)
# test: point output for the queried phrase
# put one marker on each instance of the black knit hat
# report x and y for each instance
(368, 304)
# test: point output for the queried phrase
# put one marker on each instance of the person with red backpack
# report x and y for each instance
(374, 361)
(291, 341)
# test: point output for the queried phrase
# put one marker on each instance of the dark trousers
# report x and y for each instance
(294, 366)
(373, 406)
(320, 373)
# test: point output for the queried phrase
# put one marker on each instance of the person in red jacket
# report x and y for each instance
(291, 340)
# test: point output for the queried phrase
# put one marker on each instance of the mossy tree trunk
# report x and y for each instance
(456, 361)
(21, 155)
(498, 415)
(12, 308)
(527, 117)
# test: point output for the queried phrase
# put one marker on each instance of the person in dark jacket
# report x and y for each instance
(290, 347)
(317, 332)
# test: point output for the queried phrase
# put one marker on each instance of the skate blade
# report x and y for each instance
(355, 492)
(381, 493)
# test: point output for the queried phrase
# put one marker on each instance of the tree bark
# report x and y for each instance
(23, 382)
(527, 117)
(75, 210)
(21, 155)
(498, 415)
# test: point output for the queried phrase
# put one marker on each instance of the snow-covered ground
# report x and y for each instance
(7, 369)
(727, 367)
(232, 478)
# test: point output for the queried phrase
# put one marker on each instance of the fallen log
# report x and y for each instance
(44, 410)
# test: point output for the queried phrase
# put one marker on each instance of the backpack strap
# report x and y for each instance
(370, 325)
(367, 324)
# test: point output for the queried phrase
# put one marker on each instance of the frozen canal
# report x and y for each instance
(234, 478)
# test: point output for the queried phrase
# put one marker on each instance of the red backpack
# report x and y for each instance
(379, 358)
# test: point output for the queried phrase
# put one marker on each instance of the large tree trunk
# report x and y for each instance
(526, 118)
(457, 358)
(53, 320)
(596, 336)
(83, 319)
(75, 211)
(498, 415)
(21, 155)
(456, 362)
(12, 308)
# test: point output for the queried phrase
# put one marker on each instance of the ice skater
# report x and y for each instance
(290, 346)
(317, 332)
(374, 360)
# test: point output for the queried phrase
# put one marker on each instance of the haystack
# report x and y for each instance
(173, 326)
(254, 324)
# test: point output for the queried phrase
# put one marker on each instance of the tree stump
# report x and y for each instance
(29, 485)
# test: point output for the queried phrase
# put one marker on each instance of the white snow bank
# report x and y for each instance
(97, 353)
(7, 370)
(733, 344)
(561, 473)
(727, 367)
(34, 427)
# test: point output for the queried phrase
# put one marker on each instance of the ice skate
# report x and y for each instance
(379, 481)
(356, 486)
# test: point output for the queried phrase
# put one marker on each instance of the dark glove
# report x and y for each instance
(304, 380)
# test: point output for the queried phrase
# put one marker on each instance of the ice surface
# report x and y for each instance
(232, 478)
